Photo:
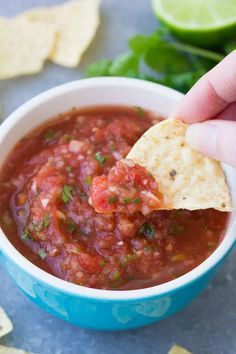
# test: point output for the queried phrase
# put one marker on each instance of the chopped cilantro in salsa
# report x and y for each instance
(49, 134)
(112, 199)
(88, 180)
(66, 194)
(140, 111)
(127, 188)
(26, 234)
(68, 169)
(101, 159)
(42, 254)
(71, 227)
(126, 200)
(46, 220)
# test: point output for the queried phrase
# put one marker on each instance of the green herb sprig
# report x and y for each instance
(160, 58)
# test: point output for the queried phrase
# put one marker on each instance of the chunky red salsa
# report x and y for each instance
(50, 180)
(128, 188)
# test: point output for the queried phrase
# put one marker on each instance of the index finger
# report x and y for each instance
(211, 94)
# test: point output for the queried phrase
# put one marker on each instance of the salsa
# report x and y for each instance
(128, 188)
(57, 176)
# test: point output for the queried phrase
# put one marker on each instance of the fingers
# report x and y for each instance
(211, 94)
(215, 138)
(229, 113)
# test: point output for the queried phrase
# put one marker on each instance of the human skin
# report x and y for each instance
(210, 109)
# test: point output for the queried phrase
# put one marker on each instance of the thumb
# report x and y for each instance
(215, 138)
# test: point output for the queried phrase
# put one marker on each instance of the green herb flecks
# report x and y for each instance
(137, 201)
(26, 234)
(49, 134)
(129, 258)
(46, 221)
(71, 227)
(42, 254)
(41, 224)
(148, 230)
(102, 263)
(66, 194)
(101, 159)
(115, 276)
(68, 169)
(126, 200)
(89, 180)
(140, 111)
(68, 138)
(113, 146)
(112, 200)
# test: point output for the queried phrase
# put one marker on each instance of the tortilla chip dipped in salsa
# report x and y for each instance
(187, 178)
(162, 172)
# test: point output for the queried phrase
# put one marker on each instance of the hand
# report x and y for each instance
(212, 101)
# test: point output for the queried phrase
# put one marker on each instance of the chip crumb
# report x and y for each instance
(177, 349)
(6, 325)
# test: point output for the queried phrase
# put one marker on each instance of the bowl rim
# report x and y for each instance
(99, 294)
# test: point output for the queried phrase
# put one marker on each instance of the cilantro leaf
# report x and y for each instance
(71, 227)
(26, 234)
(68, 169)
(99, 68)
(42, 254)
(125, 65)
(167, 60)
(126, 200)
(112, 199)
(49, 134)
(141, 44)
(160, 58)
(46, 220)
(66, 194)
(88, 180)
(101, 159)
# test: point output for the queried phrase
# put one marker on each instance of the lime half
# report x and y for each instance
(202, 22)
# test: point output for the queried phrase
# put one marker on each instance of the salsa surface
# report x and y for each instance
(46, 211)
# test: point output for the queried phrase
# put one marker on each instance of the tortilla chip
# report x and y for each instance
(188, 179)
(5, 323)
(75, 24)
(176, 349)
(11, 350)
(23, 46)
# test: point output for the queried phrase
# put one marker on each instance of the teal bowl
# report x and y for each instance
(93, 308)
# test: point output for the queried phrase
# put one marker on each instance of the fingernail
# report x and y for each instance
(203, 137)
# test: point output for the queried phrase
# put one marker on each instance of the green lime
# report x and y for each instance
(207, 23)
